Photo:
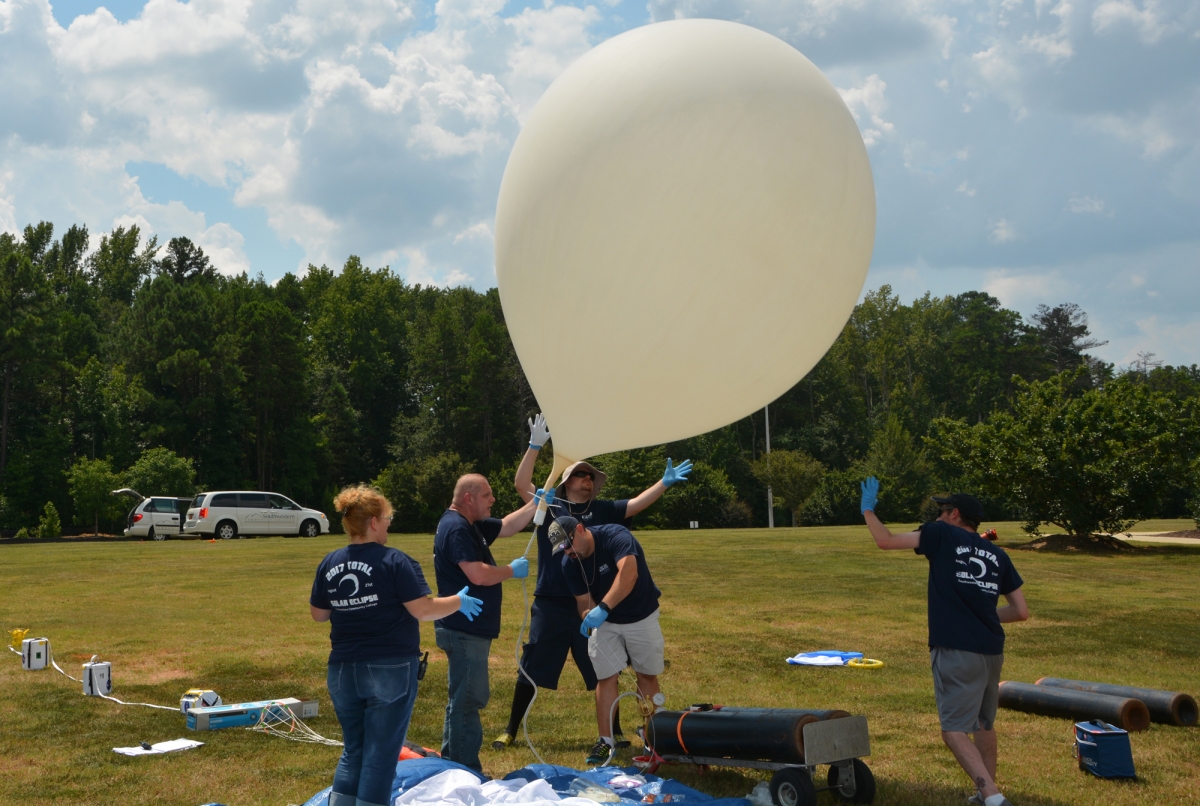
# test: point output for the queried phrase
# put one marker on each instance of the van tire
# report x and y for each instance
(154, 535)
(310, 528)
(227, 530)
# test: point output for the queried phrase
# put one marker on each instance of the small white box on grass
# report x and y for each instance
(97, 678)
(35, 653)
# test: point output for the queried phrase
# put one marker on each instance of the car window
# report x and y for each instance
(161, 505)
(279, 502)
(224, 500)
(182, 504)
(252, 500)
(198, 501)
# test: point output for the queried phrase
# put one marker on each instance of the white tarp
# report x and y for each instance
(461, 788)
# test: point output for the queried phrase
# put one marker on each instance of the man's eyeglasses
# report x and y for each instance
(582, 474)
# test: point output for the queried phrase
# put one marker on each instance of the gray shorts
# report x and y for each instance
(967, 688)
(612, 647)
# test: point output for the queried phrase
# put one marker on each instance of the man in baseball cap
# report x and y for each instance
(606, 570)
(967, 577)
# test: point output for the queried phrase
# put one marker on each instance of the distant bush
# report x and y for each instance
(50, 526)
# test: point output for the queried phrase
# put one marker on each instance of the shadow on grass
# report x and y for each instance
(905, 793)
(1101, 545)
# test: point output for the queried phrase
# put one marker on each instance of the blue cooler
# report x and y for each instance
(1103, 750)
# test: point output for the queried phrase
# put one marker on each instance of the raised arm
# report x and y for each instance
(655, 491)
(883, 535)
(518, 519)
(539, 434)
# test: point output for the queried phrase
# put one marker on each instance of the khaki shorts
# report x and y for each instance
(966, 686)
(612, 647)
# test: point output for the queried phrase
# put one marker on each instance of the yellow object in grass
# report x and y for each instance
(865, 663)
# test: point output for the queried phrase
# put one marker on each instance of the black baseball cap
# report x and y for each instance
(968, 506)
(561, 532)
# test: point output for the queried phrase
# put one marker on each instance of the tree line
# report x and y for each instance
(137, 363)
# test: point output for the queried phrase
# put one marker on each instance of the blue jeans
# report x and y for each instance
(373, 701)
(462, 733)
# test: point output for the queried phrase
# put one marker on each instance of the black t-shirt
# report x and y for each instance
(967, 575)
(598, 572)
(366, 586)
(550, 581)
(460, 541)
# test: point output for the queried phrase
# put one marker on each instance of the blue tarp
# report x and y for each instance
(411, 772)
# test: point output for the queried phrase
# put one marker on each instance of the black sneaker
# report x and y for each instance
(620, 740)
(599, 753)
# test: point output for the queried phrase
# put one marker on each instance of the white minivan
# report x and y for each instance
(251, 512)
(157, 517)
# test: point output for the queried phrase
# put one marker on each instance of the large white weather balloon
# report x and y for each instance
(683, 228)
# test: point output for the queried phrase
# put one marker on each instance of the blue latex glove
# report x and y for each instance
(594, 618)
(674, 474)
(870, 493)
(469, 606)
(520, 567)
(539, 494)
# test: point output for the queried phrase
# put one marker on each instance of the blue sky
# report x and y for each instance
(1044, 151)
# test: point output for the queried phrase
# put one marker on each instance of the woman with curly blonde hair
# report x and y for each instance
(374, 597)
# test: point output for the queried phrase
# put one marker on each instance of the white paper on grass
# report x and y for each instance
(461, 788)
(160, 747)
(684, 226)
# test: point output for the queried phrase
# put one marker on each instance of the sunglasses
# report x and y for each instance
(582, 474)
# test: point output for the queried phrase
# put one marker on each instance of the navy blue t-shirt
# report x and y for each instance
(458, 541)
(550, 581)
(598, 572)
(366, 586)
(967, 575)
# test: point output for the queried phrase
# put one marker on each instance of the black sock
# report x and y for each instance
(522, 695)
(616, 725)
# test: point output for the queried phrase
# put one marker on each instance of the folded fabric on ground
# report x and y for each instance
(824, 657)
(436, 782)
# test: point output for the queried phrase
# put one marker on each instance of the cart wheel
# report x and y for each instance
(793, 786)
(863, 790)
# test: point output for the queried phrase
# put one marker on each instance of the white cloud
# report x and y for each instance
(8, 218)
(1023, 291)
(1145, 20)
(1002, 231)
(1085, 204)
(868, 101)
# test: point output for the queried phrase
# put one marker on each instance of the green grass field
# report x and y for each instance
(233, 617)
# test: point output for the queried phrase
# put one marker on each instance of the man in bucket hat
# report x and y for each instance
(554, 618)
(967, 577)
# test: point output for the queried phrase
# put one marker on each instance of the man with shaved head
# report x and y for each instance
(462, 557)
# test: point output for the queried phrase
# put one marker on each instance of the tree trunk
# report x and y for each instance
(4, 420)
(96, 522)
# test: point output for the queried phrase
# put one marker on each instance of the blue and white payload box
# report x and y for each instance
(1104, 750)
(245, 714)
(35, 653)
